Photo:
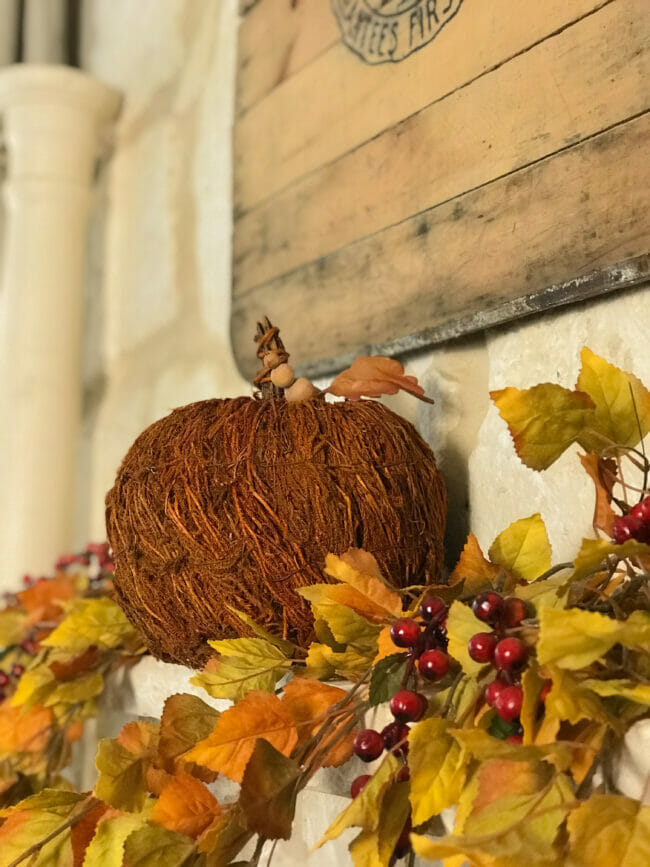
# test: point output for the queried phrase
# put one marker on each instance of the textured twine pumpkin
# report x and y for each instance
(236, 502)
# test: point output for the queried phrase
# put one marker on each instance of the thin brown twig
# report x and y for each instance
(86, 806)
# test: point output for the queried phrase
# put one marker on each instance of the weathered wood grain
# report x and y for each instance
(277, 38)
(579, 211)
(337, 102)
(501, 122)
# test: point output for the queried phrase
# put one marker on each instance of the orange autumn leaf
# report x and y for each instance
(362, 561)
(155, 779)
(42, 600)
(230, 745)
(373, 376)
(24, 731)
(308, 701)
(385, 646)
(83, 831)
(138, 737)
(474, 568)
(602, 471)
(365, 592)
(64, 671)
(74, 732)
(186, 806)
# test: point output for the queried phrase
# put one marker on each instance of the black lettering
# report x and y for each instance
(393, 33)
(349, 10)
(373, 34)
(431, 14)
(384, 31)
(416, 20)
(448, 7)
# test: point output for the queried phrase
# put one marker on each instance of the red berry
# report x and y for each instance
(510, 653)
(481, 646)
(514, 611)
(642, 510)
(433, 664)
(17, 670)
(29, 646)
(403, 775)
(432, 608)
(408, 706)
(405, 632)
(28, 580)
(359, 784)
(368, 745)
(493, 690)
(4, 678)
(515, 739)
(627, 527)
(508, 702)
(396, 733)
(487, 606)
(545, 690)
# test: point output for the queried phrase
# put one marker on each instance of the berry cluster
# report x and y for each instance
(426, 642)
(95, 553)
(8, 679)
(506, 653)
(634, 525)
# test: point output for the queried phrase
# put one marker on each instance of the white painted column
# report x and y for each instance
(53, 120)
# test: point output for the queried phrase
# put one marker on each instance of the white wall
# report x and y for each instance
(159, 293)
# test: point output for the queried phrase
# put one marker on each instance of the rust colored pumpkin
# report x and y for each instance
(236, 502)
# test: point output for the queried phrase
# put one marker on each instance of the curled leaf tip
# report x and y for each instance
(374, 376)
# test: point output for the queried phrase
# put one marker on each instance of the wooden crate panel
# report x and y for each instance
(593, 82)
(277, 38)
(337, 102)
(475, 260)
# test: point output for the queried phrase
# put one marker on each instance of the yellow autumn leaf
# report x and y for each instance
(372, 597)
(544, 420)
(462, 624)
(349, 663)
(12, 626)
(609, 831)
(622, 402)
(474, 569)
(375, 848)
(385, 646)
(26, 828)
(106, 848)
(438, 766)
(287, 647)
(523, 548)
(594, 551)
(185, 721)
(569, 700)
(230, 744)
(243, 664)
(572, 638)
(24, 730)
(364, 810)
(185, 805)
(347, 625)
(121, 776)
(155, 846)
(482, 746)
(617, 688)
(317, 664)
(92, 621)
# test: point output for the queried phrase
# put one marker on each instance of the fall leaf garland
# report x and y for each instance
(535, 788)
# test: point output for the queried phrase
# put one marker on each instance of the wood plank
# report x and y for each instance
(567, 88)
(337, 102)
(566, 216)
(276, 39)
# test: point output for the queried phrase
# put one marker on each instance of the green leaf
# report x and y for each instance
(593, 553)
(153, 846)
(609, 831)
(225, 837)
(523, 548)
(364, 810)
(269, 790)
(286, 647)
(386, 678)
(622, 404)
(93, 621)
(185, 721)
(544, 420)
(573, 638)
(462, 624)
(244, 664)
(106, 849)
(438, 766)
(121, 776)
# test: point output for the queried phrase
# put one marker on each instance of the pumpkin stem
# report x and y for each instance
(270, 348)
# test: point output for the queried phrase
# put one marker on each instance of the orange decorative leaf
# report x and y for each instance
(186, 806)
(229, 746)
(362, 561)
(24, 731)
(139, 737)
(474, 568)
(74, 731)
(373, 376)
(365, 593)
(385, 646)
(43, 600)
(64, 671)
(602, 472)
(83, 831)
(308, 701)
